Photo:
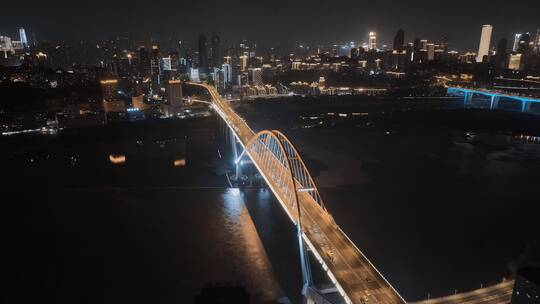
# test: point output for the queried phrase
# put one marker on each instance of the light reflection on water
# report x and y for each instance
(246, 242)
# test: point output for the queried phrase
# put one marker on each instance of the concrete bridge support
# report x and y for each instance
(494, 102)
(238, 176)
(304, 263)
(525, 106)
(467, 98)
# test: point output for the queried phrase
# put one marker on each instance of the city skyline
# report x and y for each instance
(297, 24)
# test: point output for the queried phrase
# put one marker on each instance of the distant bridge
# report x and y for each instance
(279, 163)
(494, 96)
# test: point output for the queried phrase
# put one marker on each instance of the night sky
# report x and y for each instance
(276, 22)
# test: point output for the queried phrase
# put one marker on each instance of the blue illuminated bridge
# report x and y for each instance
(494, 97)
(355, 278)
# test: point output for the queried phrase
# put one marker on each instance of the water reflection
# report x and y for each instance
(245, 239)
(117, 159)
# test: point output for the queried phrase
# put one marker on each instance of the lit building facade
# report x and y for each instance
(485, 42)
(372, 44)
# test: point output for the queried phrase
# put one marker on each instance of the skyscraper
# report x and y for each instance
(524, 43)
(22, 37)
(144, 62)
(485, 41)
(203, 54)
(174, 97)
(516, 42)
(243, 62)
(399, 40)
(155, 67)
(372, 44)
(255, 77)
(216, 57)
(500, 57)
(227, 74)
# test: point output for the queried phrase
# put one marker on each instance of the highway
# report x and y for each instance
(355, 277)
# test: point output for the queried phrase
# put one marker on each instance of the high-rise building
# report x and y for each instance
(144, 62)
(216, 57)
(485, 42)
(255, 77)
(417, 44)
(500, 56)
(166, 64)
(227, 74)
(372, 44)
(194, 75)
(243, 62)
(423, 44)
(514, 63)
(516, 42)
(174, 97)
(399, 40)
(203, 54)
(524, 43)
(430, 51)
(111, 100)
(175, 61)
(22, 37)
(155, 71)
(6, 46)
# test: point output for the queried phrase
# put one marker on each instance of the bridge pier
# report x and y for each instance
(494, 102)
(467, 98)
(304, 263)
(525, 105)
(238, 177)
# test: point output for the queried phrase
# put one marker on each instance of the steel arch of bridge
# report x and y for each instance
(273, 150)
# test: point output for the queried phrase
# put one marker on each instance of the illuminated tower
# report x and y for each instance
(22, 36)
(155, 70)
(227, 74)
(485, 41)
(516, 42)
(372, 45)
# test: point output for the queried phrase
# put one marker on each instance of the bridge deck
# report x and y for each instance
(355, 277)
(496, 294)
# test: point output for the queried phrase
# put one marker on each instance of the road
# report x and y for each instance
(496, 294)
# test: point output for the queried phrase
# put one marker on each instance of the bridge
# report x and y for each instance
(279, 163)
(496, 294)
(495, 96)
(354, 276)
